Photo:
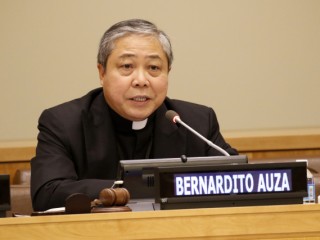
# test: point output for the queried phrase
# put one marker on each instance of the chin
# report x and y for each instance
(139, 117)
(137, 114)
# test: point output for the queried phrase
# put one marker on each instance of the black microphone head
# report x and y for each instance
(170, 115)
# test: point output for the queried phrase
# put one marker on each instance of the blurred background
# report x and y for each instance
(256, 63)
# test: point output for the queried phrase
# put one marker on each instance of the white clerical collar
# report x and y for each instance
(138, 125)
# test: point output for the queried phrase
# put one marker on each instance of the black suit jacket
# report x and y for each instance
(77, 151)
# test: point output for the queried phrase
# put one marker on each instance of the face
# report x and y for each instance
(135, 80)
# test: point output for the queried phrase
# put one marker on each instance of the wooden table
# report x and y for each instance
(262, 222)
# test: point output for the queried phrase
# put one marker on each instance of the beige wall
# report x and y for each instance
(257, 63)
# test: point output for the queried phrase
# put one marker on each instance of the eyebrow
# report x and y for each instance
(131, 55)
(127, 55)
(154, 56)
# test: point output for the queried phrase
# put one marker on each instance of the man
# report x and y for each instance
(81, 142)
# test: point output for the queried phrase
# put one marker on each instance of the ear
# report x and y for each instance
(102, 72)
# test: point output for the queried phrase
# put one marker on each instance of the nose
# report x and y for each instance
(140, 79)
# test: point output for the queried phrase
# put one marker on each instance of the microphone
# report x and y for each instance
(174, 117)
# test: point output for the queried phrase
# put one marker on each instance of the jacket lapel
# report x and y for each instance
(100, 140)
(169, 139)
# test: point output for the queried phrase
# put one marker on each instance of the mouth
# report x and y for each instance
(140, 98)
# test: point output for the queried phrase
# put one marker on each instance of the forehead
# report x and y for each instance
(135, 45)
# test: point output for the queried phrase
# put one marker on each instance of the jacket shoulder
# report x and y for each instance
(76, 106)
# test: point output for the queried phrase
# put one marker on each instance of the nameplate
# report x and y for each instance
(216, 183)
(231, 185)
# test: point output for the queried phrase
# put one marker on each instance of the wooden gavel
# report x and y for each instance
(114, 197)
(111, 200)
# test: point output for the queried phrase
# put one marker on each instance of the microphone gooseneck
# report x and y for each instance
(174, 117)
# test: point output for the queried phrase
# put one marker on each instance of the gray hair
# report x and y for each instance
(133, 26)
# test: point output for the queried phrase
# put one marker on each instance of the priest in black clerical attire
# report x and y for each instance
(81, 142)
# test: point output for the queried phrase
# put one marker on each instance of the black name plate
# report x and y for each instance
(231, 185)
(215, 183)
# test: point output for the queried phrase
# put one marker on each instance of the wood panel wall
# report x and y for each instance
(295, 143)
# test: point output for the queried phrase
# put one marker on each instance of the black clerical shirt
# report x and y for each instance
(133, 144)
